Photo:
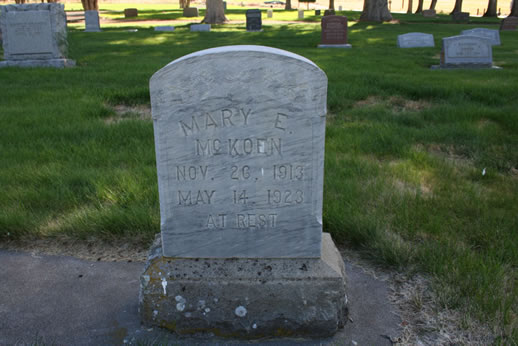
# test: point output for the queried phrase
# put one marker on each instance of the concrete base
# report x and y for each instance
(334, 46)
(56, 63)
(465, 66)
(246, 298)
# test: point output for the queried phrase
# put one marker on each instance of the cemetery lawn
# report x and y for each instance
(421, 166)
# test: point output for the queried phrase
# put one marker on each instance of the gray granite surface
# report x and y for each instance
(92, 21)
(465, 51)
(239, 139)
(244, 297)
(491, 34)
(415, 39)
(200, 27)
(34, 31)
(164, 28)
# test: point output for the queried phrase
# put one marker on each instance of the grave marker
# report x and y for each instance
(460, 17)
(429, 13)
(269, 13)
(34, 35)
(253, 20)
(200, 27)
(301, 14)
(492, 35)
(415, 39)
(465, 51)
(130, 12)
(509, 24)
(240, 176)
(191, 12)
(92, 21)
(334, 32)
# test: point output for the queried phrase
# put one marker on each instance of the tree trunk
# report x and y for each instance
(215, 13)
(514, 9)
(90, 5)
(185, 3)
(433, 4)
(331, 4)
(288, 5)
(491, 9)
(458, 7)
(420, 5)
(19, 1)
(410, 4)
(375, 10)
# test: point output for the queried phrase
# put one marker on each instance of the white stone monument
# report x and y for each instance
(34, 35)
(415, 40)
(465, 51)
(239, 139)
(92, 21)
(491, 34)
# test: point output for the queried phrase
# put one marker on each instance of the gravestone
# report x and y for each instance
(317, 12)
(329, 12)
(415, 39)
(269, 13)
(253, 20)
(190, 12)
(200, 27)
(460, 17)
(334, 32)
(130, 12)
(465, 51)
(429, 13)
(164, 28)
(492, 35)
(301, 14)
(239, 138)
(339, 8)
(92, 21)
(224, 5)
(34, 35)
(509, 23)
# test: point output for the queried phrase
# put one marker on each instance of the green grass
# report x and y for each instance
(405, 150)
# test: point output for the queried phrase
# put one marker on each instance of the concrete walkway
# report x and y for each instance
(64, 300)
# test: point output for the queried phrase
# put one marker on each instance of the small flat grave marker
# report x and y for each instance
(200, 27)
(429, 13)
(334, 32)
(164, 28)
(130, 12)
(190, 12)
(415, 39)
(460, 17)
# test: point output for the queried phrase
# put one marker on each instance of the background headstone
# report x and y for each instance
(460, 17)
(130, 12)
(490, 34)
(269, 13)
(253, 20)
(317, 12)
(415, 39)
(200, 27)
(466, 51)
(339, 8)
(190, 12)
(301, 14)
(164, 28)
(509, 23)
(329, 12)
(224, 5)
(240, 177)
(92, 21)
(34, 35)
(334, 32)
(429, 13)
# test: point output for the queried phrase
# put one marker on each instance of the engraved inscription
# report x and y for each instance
(238, 146)
(191, 172)
(190, 198)
(208, 121)
(29, 32)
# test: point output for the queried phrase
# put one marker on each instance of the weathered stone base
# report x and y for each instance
(57, 63)
(245, 298)
(334, 46)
